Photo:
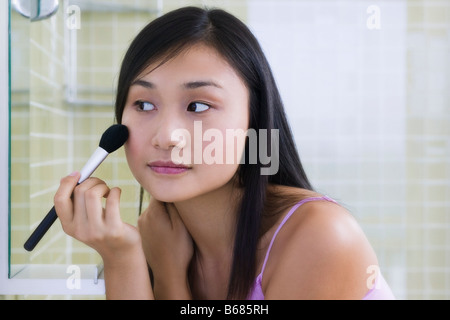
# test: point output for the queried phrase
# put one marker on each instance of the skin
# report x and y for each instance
(320, 253)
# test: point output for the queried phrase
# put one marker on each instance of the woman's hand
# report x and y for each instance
(80, 210)
(82, 215)
(168, 248)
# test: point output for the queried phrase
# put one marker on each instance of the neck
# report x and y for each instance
(211, 220)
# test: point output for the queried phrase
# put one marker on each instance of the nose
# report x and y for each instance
(166, 125)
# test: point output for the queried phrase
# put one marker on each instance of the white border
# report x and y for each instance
(25, 286)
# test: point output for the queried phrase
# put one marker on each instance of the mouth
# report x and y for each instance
(168, 167)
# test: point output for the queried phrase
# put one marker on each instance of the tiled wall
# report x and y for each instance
(370, 108)
(368, 104)
(428, 149)
(344, 87)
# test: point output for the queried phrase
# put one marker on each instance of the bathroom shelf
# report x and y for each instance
(55, 271)
(42, 279)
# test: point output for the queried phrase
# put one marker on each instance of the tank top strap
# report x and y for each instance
(293, 209)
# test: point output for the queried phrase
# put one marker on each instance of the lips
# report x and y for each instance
(168, 167)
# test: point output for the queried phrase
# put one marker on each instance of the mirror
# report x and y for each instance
(64, 68)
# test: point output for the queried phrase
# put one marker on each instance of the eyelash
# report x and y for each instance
(140, 105)
(200, 103)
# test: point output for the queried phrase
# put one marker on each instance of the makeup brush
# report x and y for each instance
(112, 139)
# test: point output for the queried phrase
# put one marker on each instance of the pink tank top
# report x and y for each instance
(379, 291)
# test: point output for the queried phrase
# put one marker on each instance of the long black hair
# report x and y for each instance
(167, 36)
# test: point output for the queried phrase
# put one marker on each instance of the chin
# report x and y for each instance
(187, 188)
(167, 198)
(170, 196)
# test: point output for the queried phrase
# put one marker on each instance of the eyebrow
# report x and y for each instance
(143, 83)
(187, 85)
(199, 84)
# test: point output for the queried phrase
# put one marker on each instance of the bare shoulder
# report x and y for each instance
(321, 252)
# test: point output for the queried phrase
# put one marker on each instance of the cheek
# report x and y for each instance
(136, 136)
(222, 154)
(131, 157)
(133, 148)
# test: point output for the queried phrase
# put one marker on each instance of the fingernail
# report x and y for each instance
(73, 174)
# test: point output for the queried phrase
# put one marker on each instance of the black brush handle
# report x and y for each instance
(41, 229)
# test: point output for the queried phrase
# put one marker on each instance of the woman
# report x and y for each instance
(214, 228)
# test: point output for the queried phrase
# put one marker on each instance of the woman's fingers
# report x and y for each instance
(80, 205)
(87, 197)
(93, 203)
(174, 216)
(63, 197)
(112, 212)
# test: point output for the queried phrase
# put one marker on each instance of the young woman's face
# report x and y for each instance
(187, 120)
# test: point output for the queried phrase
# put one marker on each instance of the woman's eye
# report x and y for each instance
(145, 105)
(197, 107)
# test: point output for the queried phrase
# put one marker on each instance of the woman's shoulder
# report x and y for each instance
(320, 251)
(312, 209)
(311, 214)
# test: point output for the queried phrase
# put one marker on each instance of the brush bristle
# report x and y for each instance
(114, 137)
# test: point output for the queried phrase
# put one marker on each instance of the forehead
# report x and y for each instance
(199, 60)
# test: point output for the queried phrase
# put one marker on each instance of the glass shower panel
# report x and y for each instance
(19, 137)
(64, 71)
